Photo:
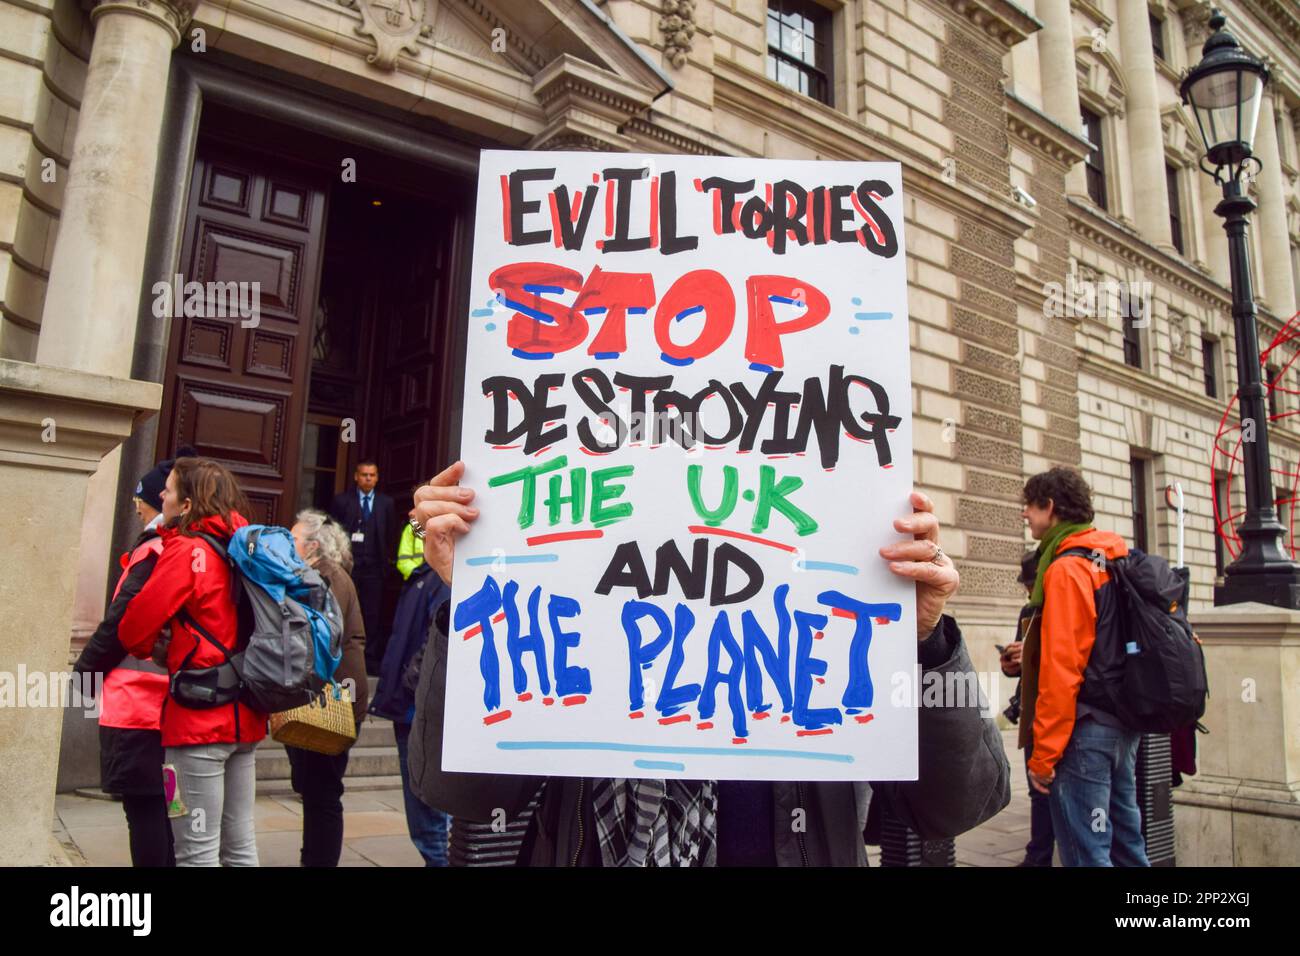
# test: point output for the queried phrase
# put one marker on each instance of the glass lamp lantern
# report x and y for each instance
(1224, 92)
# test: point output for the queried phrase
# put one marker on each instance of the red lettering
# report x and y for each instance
(617, 292)
(539, 325)
(702, 289)
(763, 342)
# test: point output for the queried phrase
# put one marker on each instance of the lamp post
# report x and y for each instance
(1224, 91)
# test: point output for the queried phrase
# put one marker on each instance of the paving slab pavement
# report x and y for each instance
(92, 832)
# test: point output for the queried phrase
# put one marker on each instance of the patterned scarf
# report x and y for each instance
(656, 822)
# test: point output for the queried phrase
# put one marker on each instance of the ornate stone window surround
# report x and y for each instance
(1182, 151)
(843, 59)
(1102, 90)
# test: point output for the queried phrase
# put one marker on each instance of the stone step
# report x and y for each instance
(362, 762)
(352, 784)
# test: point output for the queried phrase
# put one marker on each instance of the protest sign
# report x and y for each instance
(687, 416)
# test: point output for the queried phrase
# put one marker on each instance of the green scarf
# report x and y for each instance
(1047, 550)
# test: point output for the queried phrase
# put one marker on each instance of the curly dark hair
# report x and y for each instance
(1066, 489)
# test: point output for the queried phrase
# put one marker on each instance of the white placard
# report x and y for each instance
(687, 419)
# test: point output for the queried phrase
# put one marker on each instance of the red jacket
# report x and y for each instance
(191, 575)
(1069, 631)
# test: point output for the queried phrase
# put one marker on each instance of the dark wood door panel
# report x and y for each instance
(227, 255)
(237, 391)
(240, 427)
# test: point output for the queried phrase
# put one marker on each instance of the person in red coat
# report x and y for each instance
(211, 749)
(130, 742)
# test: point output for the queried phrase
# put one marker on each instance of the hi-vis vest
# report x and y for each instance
(133, 699)
(410, 552)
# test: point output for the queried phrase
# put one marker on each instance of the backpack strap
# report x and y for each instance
(217, 544)
(236, 577)
(194, 626)
(1081, 553)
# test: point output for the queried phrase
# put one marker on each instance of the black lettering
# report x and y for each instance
(841, 215)
(889, 247)
(785, 219)
(690, 577)
(571, 233)
(724, 557)
(626, 569)
(728, 190)
(669, 241)
(621, 241)
(520, 208)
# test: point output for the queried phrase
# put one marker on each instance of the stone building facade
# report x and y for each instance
(121, 123)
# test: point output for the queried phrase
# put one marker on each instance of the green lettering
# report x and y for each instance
(600, 493)
(577, 497)
(528, 476)
(772, 494)
(730, 489)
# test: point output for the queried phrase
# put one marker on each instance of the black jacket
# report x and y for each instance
(346, 510)
(963, 778)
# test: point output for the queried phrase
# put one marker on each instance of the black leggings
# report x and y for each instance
(151, 831)
(318, 778)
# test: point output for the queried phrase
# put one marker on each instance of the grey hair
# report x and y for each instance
(331, 542)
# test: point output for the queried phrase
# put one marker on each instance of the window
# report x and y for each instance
(1175, 208)
(1273, 385)
(1295, 266)
(1210, 359)
(1134, 313)
(1095, 164)
(1138, 468)
(1222, 523)
(1157, 36)
(799, 47)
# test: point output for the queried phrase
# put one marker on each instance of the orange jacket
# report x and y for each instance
(1069, 628)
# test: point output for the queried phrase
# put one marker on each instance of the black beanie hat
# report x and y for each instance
(149, 489)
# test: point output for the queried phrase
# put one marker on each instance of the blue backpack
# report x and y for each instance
(290, 628)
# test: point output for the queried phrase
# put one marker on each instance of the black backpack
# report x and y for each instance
(1162, 685)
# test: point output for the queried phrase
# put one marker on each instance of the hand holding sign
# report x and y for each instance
(443, 510)
(923, 561)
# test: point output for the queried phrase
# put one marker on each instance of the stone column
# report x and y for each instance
(1195, 32)
(92, 304)
(1216, 240)
(94, 289)
(60, 416)
(1146, 157)
(1242, 808)
(1060, 81)
(1275, 278)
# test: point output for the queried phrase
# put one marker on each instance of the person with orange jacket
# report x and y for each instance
(1083, 757)
(211, 748)
(130, 742)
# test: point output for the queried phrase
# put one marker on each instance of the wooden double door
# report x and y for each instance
(239, 386)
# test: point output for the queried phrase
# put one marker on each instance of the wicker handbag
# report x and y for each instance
(325, 725)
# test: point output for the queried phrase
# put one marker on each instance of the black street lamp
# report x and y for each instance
(1224, 91)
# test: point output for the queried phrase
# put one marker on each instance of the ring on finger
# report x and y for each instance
(938, 555)
(416, 527)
